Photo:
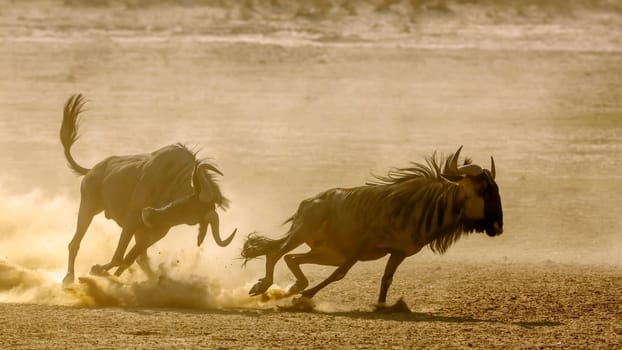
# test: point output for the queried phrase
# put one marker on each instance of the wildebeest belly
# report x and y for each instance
(396, 241)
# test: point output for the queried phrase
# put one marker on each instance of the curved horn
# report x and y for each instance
(470, 169)
(207, 166)
(453, 165)
(212, 219)
(451, 172)
(492, 167)
(202, 232)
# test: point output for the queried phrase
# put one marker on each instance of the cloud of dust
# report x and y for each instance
(170, 288)
(20, 285)
(35, 230)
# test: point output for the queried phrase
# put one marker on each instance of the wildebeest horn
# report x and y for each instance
(207, 166)
(453, 164)
(470, 169)
(211, 218)
(492, 167)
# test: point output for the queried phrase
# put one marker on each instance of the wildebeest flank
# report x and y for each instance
(427, 204)
(122, 186)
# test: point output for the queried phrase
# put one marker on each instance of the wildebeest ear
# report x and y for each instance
(202, 184)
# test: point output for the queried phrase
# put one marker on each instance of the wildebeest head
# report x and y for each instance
(480, 193)
(196, 208)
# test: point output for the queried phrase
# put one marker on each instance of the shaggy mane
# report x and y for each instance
(221, 200)
(430, 193)
(433, 169)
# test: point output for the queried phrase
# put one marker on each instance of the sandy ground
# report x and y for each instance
(285, 122)
(454, 305)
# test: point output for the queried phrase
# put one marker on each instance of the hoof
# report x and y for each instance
(68, 280)
(259, 288)
(399, 307)
(297, 287)
(120, 270)
(300, 304)
(309, 293)
(98, 270)
(303, 304)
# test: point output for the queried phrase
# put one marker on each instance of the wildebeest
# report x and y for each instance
(125, 187)
(430, 204)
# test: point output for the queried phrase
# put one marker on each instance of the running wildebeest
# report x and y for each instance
(427, 204)
(126, 187)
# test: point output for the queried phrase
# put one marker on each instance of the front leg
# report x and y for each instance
(144, 240)
(394, 261)
(117, 258)
(124, 241)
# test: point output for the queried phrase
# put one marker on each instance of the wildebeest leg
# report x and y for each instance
(85, 216)
(124, 241)
(315, 256)
(308, 221)
(271, 259)
(394, 261)
(117, 258)
(144, 240)
(335, 276)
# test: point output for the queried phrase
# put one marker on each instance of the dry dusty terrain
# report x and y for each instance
(454, 305)
(293, 101)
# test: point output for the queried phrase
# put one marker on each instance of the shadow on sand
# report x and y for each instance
(405, 316)
(402, 312)
(429, 317)
(410, 317)
(397, 312)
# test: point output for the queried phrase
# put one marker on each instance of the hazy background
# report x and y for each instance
(290, 98)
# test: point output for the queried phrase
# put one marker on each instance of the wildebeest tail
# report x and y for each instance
(69, 130)
(256, 246)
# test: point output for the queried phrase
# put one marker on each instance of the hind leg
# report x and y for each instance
(271, 258)
(338, 274)
(315, 256)
(85, 217)
(308, 223)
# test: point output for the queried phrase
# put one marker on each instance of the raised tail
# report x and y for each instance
(256, 246)
(69, 130)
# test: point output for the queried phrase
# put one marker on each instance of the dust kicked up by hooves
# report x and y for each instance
(21, 285)
(33, 275)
